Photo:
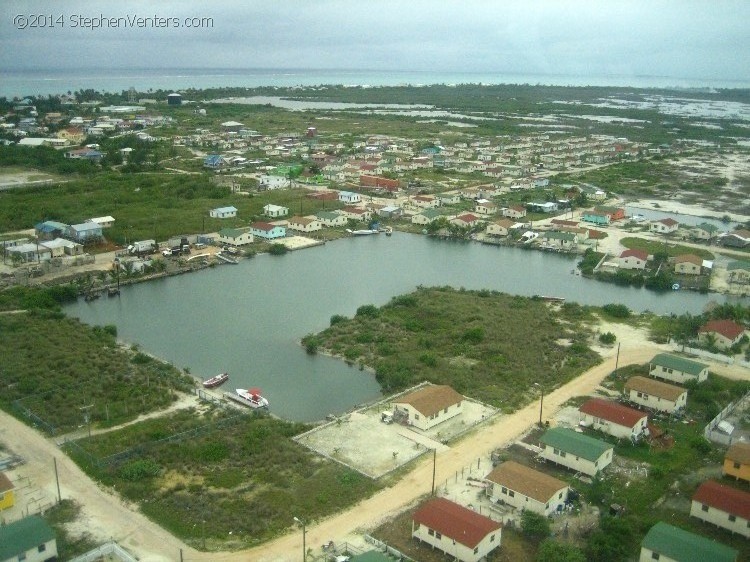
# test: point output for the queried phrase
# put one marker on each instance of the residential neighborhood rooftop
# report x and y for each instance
(654, 388)
(678, 363)
(727, 499)
(431, 399)
(739, 452)
(575, 443)
(678, 544)
(612, 411)
(455, 521)
(526, 480)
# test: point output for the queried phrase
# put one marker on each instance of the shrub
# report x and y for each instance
(473, 335)
(534, 526)
(368, 311)
(278, 249)
(135, 471)
(608, 338)
(337, 319)
(616, 310)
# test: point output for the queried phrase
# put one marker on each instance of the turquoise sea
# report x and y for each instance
(19, 83)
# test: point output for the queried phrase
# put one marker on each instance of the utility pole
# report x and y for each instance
(617, 359)
(434, 463)
(57, 479)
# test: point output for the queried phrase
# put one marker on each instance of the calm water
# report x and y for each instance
(247, 319)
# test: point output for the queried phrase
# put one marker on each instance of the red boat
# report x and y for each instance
(217, 380)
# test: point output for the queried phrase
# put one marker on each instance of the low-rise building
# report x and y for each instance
(223, 212)
(523, 487)
(304, 224)
(723, 333)
(104, 222)
(677, 369)
(267, 230)
(7, 492)
(349, 197)
(633, 259)
(664, 226)
(84, 232)
(737, 461)
(235, 236)
(499, 227)
(723, 506)
(275, 211)
(460, 532)
(30, 539)
(514, 212)
(738, 271)
(331, 218)
(576, 451)
(656, 395)
(666, 543)
(613, 419)
(429, 406)
(688, 264)
(427, 216)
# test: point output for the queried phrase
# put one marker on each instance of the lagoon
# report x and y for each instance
(247, 319)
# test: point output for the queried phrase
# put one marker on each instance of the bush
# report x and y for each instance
(608, 338)
(534, 526)
(278, 249)
(616, 310)
(368, 311)
(473, 335)
(337, 318)
(554, 551)
(139, 470)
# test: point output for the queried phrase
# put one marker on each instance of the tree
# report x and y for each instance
(553, 551)
(534, 526)
(612, 541)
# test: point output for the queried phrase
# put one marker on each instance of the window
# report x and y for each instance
(704, 507)
(737, 465)
(559, 495)
(492, 538)
(654, 556)
(511, 493)
(445, 411)
(416, 416)
(438, 535)
(733, 518)
(562, 454)
(42, 547)
(476, 550)
(504, 490)
(431, 532)
(556, 451)
(639, 394)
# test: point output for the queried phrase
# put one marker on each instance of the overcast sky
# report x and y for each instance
(680, 38)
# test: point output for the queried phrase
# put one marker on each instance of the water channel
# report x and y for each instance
(247, 319)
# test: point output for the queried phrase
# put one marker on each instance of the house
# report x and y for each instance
(688, 264)
(427, 216)
(235, 236)
(613, 419)
(448, 198)
(84, 232)
(543, 207)
(232, 126)
(676, 369)
(428, 406)
(304, 224)
(614, 213)
(30, 539)
(664, 226)
(84, 153)
(49, 230)
(223, 212)
(656, 395)
(723, 506)
(738, 271)
(28, 252)
(737, 461)
(561, 240)
(633, 259)
(214, 161)
(463, 534)
(390, 212)
(500, 227)
(104, 222)
(515, 212)
(666, 543)
(576, 451)
(7, 492)
(331, 218)
(357, 214)
(704, 231)
(523, 487)
(736, 239)
(466, 220)
(596, 217)
(61, 247)
(349, 197)
(425, 201)
(485, 207)
(275, 211)
(267, 230)
(723, 333)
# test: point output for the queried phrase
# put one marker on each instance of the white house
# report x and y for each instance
(461, 533)
(677, 369)
(349, 197)
(723, 506)
(267, 230)
(656, 395)
(429, 406)
(613, 419)
(223, 213)
(304, 224)
(485, 207)
(523, 487)
(576, 451)
(30, 539)
(61, 247)
(666, 543)
(633, 259)
(331, 218)
(275, 211)
(235, 236)
(425, 201)
(664, 226)
(104, 222)
(500, 227)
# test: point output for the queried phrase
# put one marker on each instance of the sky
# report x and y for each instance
(680, 38)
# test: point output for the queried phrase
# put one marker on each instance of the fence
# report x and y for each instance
(712, 434)
(718, 357)
(108, 549)
(389, 550)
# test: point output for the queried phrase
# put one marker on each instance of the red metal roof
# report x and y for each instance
(725, 498)
(640, 254)
(612, 411)
(727, 328)
(455, 521)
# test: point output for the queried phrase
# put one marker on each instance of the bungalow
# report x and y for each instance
(613, 419)
(104, 222)
(723, 506)
(543, 207)
(738, 272)
(485, 207)
(427, 216)
(467, 220)
(737, 461)
(49, 230)
(28, 252)
(267, 230)
(349, 197)
(499, 227)
(84, 154)
(723, 333)
(664, 226)
(615, 213)
(448, 198)
(235, 236)
(688, 264)
(562, 240)
(331, 218)
(232, 126)
(214, 161)
(425, 201)
(275, 211)
(223, 212)
(357, 214)
(633, 259)
(61, 247)
(304, 224)
(596, 217)
(84, 232)
(736, 238)
(655, 395)
(576, 451)
(30, 539)
(515, 212)
(7, 492)
(671, 544)
(456, 530)
(429, 406)
(523, 487)
(704, 231)
(390, 212)
(677, 369)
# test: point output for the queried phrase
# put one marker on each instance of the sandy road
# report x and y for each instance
(106, 516)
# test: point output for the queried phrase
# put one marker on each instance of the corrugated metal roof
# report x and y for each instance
(431, 399)
(678, 363)
(23, 535)
(612, 411)
(654, 388)
(527, 481)
(575, 443)
(739, 452)
(455, 521)
(725, 498)
(684, 546)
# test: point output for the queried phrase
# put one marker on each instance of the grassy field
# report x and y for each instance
(487, 345)
(670, 249)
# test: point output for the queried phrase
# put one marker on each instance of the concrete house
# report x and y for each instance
(666, 543)
(427, 407)
(30, 539)
(656, 395)
(485, 207)
(49, 230)
(677, 369)
(331, 218)
(357, 214)
(664, 226)
(576, 451)
(235, 236)
(267, 230)
(427, 216)
(61, 247)
(633, 259)
(29, 253)
(738, 271)
(704, 231)
(723, 506)
(304, 224)
(514, 212)
(275, 211)
(458, 531)
(724, 333)
(466, 220)
(104, 222)
(613, 419)
(688, 264)
(84, 232)
(737, 461)
(425, 201)
(523, 487)
(500, 227)
(349, 197)
(560, 240)
(223, 213)
(7, 492)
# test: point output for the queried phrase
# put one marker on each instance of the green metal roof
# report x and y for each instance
(23, 535)
(683, 546)
(738, 265)
(431, 213)
(371, 556)
(575, 443)
(232, 232)
(555, 235)
(678, 363)
(710, 228)
(327, 215)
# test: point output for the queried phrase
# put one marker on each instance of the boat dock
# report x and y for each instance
(240, 400)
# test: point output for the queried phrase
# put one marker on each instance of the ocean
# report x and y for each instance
(19, 83)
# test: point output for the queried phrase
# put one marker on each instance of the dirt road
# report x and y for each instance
(106, 516)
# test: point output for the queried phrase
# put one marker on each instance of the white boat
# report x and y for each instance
(251, 397)
(363, 232)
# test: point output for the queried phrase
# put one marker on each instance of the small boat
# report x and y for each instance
(251, 397)
(216, 380)
(363, 232)
(388, 230)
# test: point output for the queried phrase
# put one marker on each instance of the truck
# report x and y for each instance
(142, 247)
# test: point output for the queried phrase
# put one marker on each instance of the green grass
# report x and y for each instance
(671, 249)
